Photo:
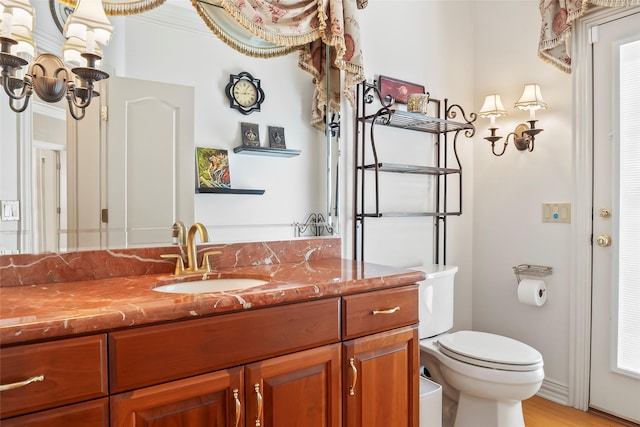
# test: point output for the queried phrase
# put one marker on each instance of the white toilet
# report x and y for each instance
(484, 377)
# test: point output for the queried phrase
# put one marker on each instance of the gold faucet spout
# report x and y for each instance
(192, 253)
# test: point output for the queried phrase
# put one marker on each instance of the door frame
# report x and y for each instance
(582, 223)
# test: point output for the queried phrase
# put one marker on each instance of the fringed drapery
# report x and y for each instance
(310, 26)
(557, 20)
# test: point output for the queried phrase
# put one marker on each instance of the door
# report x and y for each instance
(299, 389)
(615, 346)
(380, 386)
(209, 400)
(150, 124)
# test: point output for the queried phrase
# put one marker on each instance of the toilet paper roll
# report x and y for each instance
(532, 292)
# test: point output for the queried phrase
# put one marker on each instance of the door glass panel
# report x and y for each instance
(628, 325)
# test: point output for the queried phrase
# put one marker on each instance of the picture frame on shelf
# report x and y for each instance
(213, 168)
(399, 90)
(276, 137)
(250, 134)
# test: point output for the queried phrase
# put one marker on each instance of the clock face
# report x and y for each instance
(244, 93)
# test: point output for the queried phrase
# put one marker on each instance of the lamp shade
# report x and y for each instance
(26, 44)
(72, 51)
(89, 23)
(531, 98)
(15, 13)
(492, 107)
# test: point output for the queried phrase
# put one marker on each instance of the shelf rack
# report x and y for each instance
(374, 110)
(208, 190)
(266, 151)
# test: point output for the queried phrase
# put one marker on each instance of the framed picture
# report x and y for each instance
(276, 137)
(250, 135)
(213, 168)
(398, 89)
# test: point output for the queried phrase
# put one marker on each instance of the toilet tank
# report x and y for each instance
(435, 303)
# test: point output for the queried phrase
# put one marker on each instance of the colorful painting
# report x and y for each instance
(213, 168)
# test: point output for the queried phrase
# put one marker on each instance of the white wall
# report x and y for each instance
(509, 190)
(429, 43)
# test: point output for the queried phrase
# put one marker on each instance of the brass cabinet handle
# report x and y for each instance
(259, 397)
(5, 387)
(354, 381)
(387, 311)
(238, 406)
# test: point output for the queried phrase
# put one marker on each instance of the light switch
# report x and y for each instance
(10, 210)
(556, 212)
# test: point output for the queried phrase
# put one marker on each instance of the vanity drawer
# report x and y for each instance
(72, 370)
(377, 311)
(156, 354)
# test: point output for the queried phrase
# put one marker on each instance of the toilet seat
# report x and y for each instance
(490, 351)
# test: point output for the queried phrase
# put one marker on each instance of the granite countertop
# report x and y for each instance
(54, 310)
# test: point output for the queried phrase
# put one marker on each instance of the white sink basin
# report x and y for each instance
(212, 285)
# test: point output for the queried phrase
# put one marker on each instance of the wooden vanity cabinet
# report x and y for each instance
(347, 361)
(381, 359)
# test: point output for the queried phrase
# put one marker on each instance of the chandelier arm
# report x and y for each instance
(27, 88)
(72, 106)
(72, 97)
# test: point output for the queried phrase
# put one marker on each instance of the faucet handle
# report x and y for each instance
(205, 260)
(179, 263)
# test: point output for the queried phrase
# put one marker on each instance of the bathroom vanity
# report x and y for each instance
(326, 342)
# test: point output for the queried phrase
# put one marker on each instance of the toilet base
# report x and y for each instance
(475, 411)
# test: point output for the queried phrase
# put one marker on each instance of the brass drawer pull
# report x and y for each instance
(259, 396)
(12, 386)
(354, 381)
(388, 311)
(238, 407)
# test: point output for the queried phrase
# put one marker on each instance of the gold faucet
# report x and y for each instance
(192, 253)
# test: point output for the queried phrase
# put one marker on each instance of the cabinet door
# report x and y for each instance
(299, 389)
(94, 413)
(381, 379)
(211, 400)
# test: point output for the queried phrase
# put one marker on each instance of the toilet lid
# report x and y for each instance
(490, 351)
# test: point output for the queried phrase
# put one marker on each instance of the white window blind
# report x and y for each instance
(628, 325)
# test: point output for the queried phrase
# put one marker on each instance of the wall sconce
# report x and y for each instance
(47, 74)
(523, 135)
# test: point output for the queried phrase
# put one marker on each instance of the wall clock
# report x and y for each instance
(244, 92)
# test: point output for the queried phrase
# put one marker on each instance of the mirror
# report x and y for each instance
(179, 49)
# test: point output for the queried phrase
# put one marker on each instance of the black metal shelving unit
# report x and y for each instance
(373, 111)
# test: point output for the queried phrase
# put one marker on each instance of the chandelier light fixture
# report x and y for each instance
(85, 29)
(523, 135)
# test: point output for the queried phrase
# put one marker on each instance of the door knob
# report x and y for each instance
(605, 213)
(603, 240)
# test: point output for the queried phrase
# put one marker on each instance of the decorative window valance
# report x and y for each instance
(557, 19)
(309, 26)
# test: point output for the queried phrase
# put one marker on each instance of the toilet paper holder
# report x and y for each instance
(532, 270)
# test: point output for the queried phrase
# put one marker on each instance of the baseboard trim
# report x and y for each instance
(554, 391)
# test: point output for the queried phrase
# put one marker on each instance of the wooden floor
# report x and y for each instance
(540, 412)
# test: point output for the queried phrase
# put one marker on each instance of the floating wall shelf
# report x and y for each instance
(266, 151)
(208, 190)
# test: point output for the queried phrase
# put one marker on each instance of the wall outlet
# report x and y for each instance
(556, 212)
(10, 210)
